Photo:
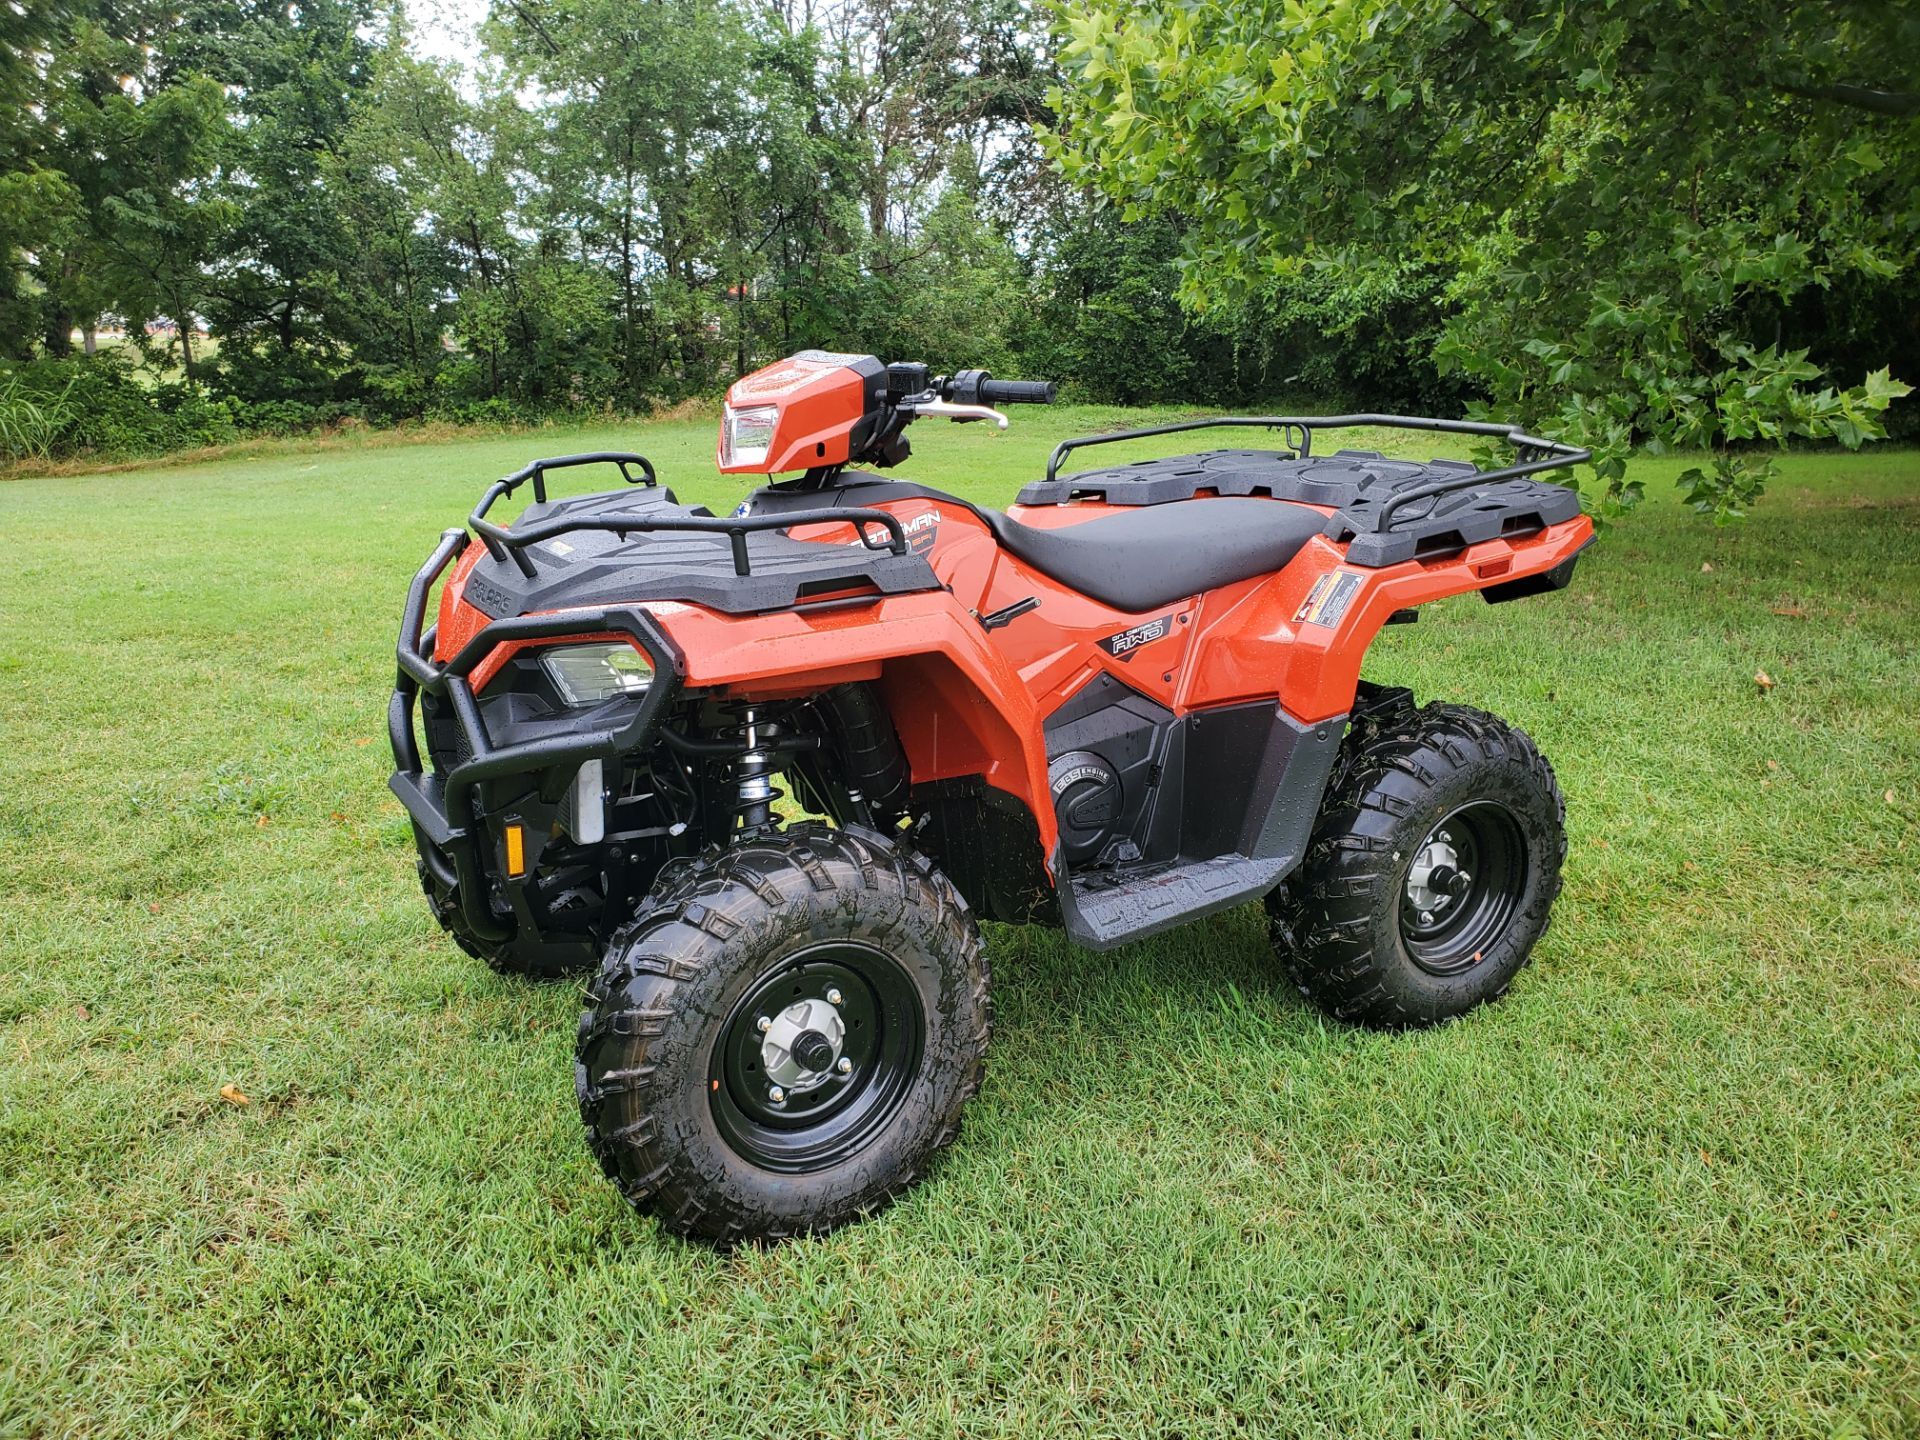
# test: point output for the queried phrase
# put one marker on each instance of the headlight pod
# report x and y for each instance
(591, 674)
(746, 434)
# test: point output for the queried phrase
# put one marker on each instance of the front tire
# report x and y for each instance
(550, 962)
(784, 1038)
(1432, 869)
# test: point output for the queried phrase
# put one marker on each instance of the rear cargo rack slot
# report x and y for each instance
(1388, 510)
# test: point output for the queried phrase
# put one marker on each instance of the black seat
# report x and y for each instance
(1151, 556)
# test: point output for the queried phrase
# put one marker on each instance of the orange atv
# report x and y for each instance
(1131, 700)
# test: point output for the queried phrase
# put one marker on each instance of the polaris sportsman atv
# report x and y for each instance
(1130, 700)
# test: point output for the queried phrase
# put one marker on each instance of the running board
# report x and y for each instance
(1102, 913)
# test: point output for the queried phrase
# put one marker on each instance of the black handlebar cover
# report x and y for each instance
(1017, 392)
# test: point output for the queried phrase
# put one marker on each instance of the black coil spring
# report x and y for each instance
(753, 763)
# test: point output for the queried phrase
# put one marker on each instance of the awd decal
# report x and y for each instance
(1327, 602)
(1127, 641)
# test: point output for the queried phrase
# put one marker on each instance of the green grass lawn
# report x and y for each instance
(1671, 1185)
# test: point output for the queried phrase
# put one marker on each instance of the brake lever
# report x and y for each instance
(960, 412)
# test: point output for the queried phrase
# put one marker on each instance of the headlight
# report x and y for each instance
(747, 433)
(589, 674)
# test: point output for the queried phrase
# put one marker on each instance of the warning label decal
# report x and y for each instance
(1332, 593)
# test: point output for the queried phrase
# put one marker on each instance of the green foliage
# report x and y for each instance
(624, 206)
(952, 294)
(1619, 194)
(1368, 336)
(104, 408)
(30, 425)
(1104, 313)
(98, 405)
(1107, 316)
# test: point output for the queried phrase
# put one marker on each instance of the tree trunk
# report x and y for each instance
(59, 337)
(185, 328)
(740, 327)
(629, 360)
(414, 360)
(786, 315)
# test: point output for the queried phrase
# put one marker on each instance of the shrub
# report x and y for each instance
(104, 408)
(29, 425)
(95, 404)
(190, 420)
(488, 410)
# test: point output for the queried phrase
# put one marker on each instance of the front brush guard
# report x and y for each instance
(444, 821)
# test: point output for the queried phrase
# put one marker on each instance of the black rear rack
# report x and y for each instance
(503, 543)
(1533, 454)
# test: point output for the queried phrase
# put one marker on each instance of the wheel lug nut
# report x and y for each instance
(845, 1067)
(776, 1095)
(763, 1024)
(834, 997)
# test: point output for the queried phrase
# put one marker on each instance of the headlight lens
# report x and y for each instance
(746, 434)
(590, 674)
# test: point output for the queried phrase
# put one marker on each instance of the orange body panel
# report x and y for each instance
(969, 701)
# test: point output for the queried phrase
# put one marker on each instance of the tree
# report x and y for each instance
(32, 198)
(294, 75)
(1630, 195)
(145, 218)
(398, 276)
(646, 103)
(105, 170)
(1104, 312)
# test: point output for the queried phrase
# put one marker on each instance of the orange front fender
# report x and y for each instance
(958, 704)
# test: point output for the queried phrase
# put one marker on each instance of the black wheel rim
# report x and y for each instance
(1462, 888)
(835, 1110)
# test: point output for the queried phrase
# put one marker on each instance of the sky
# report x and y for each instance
(445, 29)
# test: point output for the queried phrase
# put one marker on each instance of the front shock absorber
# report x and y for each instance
(753, 767)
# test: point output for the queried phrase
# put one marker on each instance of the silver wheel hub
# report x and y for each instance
(800, 1047)
(1435, 879)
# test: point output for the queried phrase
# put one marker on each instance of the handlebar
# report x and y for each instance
(977, 387)
(911, 382)
(912, 390)
(1017, 392)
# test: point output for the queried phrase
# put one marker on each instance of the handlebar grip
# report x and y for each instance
(1017, 392)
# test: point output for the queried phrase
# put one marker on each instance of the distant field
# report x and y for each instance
(168, 368)
(1669, 1186)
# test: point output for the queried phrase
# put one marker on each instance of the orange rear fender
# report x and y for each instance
(1305, 631)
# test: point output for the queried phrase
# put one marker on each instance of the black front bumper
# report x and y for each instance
(455, 854)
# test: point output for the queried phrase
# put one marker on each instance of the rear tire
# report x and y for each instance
(1432, 869)
(784, 1038)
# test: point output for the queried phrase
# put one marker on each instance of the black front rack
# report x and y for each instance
(440, 805)
(505, 543)
(1533, 454)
